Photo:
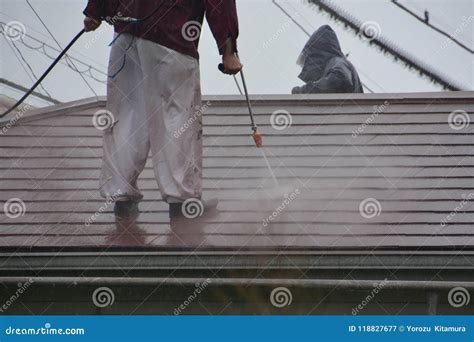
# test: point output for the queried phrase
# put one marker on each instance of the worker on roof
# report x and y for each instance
(154, 95)
(325, 69)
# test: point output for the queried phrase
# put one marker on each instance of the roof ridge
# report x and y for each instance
(50, 111)
(421, 97)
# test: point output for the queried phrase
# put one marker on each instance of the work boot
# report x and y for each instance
(126, 209)
(193, 208)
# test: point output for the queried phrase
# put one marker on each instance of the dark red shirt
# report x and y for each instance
(171, 23)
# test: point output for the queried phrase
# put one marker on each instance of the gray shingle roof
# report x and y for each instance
(407, 162)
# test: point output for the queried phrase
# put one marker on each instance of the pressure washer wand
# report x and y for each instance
(257, 137)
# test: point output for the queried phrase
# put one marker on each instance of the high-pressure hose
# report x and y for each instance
(37, 83)
(127, 20)
(257, 137)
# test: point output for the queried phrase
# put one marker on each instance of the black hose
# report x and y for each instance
(37, 83)
(71, 43)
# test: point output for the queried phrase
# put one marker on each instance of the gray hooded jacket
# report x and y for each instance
(325, 68)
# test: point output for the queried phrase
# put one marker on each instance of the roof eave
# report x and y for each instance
(280, 99)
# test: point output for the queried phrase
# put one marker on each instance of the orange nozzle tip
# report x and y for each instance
(257, 137)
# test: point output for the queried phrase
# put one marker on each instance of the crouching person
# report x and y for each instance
(325, 69)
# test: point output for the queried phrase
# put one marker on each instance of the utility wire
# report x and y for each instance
(24, 89)
(69, 60)
(387, 46)
(426, 22)
(48, 70)
(291, 17)
(29, 66)
(10, 84)
(42, 49)
(309, 35)
(14, 49)
(19, 60)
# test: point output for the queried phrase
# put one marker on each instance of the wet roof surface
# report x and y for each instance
(404, 179)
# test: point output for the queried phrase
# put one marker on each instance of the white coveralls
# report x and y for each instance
(154, 95)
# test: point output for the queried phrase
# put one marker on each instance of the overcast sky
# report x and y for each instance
(269, 45)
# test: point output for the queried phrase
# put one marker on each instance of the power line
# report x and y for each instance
(425, 21)
(24, 89)
(40, 33)
(29, 66)
(8, 83)
(291, 17)
(42, 48)
(59, 45)
(19, 60)
(387, 46)
(43, 76)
